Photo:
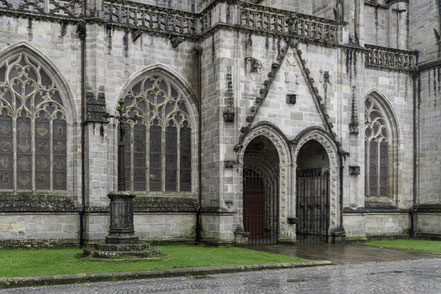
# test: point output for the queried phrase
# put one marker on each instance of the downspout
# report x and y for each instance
(416, 91)
(340, 231)
(198, 212)
(82, 34)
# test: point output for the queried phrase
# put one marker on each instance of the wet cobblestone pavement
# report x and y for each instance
(347, 253)
(420, 276)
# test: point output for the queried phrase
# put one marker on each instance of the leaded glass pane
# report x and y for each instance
(162, 111)
(373, 168)
(24, 154)
(185, 160)
(32, 96)
(59, 153)
(140, 157)
(42, 153)
(376, 136)
(171, 158)
(155, 158)
(6, 154)
(127, 155)
(383, 168)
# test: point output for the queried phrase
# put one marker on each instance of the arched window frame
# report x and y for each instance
(54, 102)
(379, 107)
(186, 99)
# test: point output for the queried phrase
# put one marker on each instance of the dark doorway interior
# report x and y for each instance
(312, 201)
(261, 192)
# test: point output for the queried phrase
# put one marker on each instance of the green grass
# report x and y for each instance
(36, 262)
(412, 244)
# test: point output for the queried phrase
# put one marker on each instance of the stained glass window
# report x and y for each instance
(6, 151)
(160, 137)
(31, 101)
(377, 148)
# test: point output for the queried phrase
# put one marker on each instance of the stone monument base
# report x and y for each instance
(122, 251)
(121, 243)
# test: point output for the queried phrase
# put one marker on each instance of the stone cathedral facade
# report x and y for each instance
(253, 121)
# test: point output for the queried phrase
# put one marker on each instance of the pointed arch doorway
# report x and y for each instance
(312, 201)
(261, 192)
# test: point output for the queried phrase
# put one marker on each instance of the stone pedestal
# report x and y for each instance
(121, 229)
(338, 235)
(121, 243)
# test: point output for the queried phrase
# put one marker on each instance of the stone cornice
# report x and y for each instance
(180, 26)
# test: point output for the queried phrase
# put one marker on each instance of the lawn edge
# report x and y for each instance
(400, 248)
(17, 282)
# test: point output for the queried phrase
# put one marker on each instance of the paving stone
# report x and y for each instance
(422, 276)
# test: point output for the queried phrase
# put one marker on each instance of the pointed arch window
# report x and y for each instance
(33, 128)
(377, 142)
(158, 144)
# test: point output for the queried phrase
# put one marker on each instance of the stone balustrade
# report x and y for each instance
(390, 59)
(279, 22)
(150, 17)
(58, 8)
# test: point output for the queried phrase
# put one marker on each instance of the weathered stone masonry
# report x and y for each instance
(290, 71)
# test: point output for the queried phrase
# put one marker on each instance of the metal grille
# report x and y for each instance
(260, 207)
(312, 206)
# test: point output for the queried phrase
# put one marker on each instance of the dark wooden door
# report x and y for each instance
(253, 205)
(260, 208)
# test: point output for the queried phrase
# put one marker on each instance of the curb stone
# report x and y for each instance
(17, 282)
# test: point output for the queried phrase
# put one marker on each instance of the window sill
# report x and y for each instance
(379, 202)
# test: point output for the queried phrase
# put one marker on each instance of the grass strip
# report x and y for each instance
(38, 262)
(411, 244)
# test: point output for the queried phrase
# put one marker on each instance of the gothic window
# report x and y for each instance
(377, 140)
(158, 143)
(33, 128)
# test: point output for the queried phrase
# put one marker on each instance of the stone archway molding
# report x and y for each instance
(280, 142)
(332, 149)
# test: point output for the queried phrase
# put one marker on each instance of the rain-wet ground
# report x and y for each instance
(397, 277)
(346, 253)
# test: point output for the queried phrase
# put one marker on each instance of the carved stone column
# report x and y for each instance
(121, 229)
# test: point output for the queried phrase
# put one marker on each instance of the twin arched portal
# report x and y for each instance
(36, 123)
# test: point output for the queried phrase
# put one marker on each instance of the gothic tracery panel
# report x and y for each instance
(33, 126)
(377, 146)
(160, 137)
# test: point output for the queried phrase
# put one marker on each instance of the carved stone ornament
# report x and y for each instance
(253, 67)
(322, 138)
(229, 116)
(96, 107)
(354, 125)
(285, 160)
(175, 41)
(354, 170)
(291, 80)
(229, 113)
(291, 59)
(229, 164)
(291, 99)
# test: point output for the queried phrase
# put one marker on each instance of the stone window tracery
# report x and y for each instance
(158, 144)
(377, 140)
(33, 128)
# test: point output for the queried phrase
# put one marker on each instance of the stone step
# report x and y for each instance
(121, 254)
(122, 247)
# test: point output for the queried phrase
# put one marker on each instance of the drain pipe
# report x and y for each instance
(416, 91)
(198, 212)
(81, 30)
(340, 232)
